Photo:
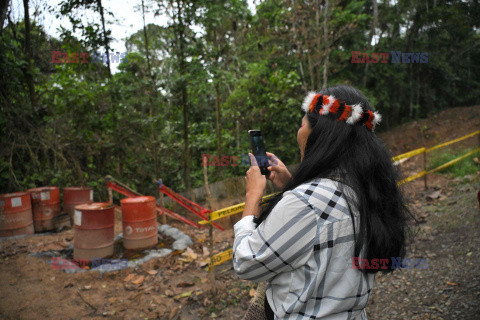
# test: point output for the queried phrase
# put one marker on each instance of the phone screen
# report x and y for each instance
(258, 148)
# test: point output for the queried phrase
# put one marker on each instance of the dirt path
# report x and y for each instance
(177, 287)
(450, 240)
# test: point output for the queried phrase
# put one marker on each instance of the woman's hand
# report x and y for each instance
(255, 186)
(255, 181)
(279, 174)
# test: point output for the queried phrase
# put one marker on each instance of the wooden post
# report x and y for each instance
(211, 273)
(163, 217)
(110, 195)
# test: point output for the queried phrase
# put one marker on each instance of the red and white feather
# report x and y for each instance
(326, 107)
(356, 114)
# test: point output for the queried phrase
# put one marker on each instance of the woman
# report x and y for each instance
(341, 204)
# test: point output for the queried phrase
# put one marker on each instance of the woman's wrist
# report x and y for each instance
(252, 204)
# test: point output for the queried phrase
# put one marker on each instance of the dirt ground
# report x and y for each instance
(178, 286)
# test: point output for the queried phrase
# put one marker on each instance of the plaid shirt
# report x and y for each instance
(303, 250)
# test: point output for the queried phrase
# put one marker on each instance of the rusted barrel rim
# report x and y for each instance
(43, 189)
(77, 188)
(141, 199)
(13, 195)
(94, 206)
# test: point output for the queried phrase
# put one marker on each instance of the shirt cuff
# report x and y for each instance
(245, 224)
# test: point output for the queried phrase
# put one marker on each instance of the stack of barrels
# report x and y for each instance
(36, 209)
(93, 222)
(94, 227)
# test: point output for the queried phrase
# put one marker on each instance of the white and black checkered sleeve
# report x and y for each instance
(282, 242)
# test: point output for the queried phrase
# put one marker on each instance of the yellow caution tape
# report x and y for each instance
(443, 166)
(222, 213)
(453, 141)
(449, 163)
(415, 176)
(409, 154)
(221, 258)
(422, 150)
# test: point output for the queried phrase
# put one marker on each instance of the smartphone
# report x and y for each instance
(258, 148)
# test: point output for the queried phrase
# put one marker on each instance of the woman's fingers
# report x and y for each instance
(253, 160)
(272, 174)
(273, 159)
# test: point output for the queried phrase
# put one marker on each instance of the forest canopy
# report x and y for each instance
(196, 84)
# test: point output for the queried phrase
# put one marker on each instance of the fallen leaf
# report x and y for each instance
(183, 295)
(173, 313)
(189, 254)
(184, 284)
(206, 302)
(252, 292)
(169, 293)
(129, 277)
(206, 253)
(452, 283)
(139, 280)
(152, 272)
(434, 195)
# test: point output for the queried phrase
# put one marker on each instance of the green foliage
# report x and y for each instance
(460, 169)
(257, 67)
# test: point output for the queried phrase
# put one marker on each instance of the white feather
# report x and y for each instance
(326, 107)
(377, 118)
(308, 100)
(356, 114)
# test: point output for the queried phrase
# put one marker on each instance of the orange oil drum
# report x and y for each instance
(45, 206)
(73, 196)
(139, 221)
(93, 234)
(15, 214)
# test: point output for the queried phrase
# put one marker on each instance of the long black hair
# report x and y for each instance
(357, 157)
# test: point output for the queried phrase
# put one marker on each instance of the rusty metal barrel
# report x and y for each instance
(45, 206)
(73, 196)
(15, 214)
(93, 234)
(139, 221)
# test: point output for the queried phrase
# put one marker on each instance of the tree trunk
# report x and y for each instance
(28, 54)
(3, 12)
(219, 119)
(370, 38)
(325, 40)
(311, 71)
(150, 99)
(237, 127)
(105, 38)
(184, 97)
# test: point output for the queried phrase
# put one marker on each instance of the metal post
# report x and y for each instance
(425, 168)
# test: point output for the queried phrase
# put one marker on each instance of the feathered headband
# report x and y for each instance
(324, 105)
